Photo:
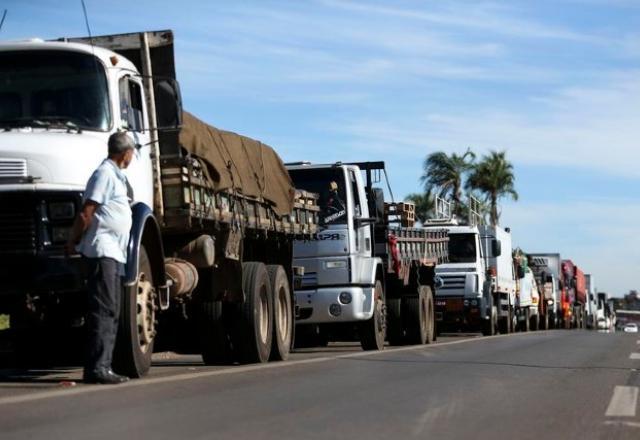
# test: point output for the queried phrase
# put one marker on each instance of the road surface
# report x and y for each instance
(539, 385)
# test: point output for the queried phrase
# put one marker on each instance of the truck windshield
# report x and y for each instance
(43, 88)
(329, 183)
(462, 248)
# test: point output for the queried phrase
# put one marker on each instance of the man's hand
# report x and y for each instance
(69, 248)
(80, 225)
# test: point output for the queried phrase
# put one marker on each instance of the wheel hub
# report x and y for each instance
(145, 300)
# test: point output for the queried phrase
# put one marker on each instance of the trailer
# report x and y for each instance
(546, 271)
(368, 269)
(210, 261)
(574, 301)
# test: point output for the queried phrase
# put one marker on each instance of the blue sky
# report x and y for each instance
(555, 83)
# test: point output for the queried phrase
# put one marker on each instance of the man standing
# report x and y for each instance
(101, 234)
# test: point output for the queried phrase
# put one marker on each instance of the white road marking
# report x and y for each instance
(228, 371)
(622, 423)
(634, 356)
(623, 402)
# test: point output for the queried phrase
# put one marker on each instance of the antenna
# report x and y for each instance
(4, 15)
(86, 20)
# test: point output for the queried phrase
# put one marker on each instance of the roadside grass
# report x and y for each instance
(4, 322)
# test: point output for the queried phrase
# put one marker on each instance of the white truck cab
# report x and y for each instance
(478, 286)
(339, 265)
(59, 102)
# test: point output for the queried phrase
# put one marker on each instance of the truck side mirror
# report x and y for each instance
(496, 248)
(168, 104)
(376, 207)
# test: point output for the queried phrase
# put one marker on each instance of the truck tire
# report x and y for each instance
(215, 345)
(395, 327)
(253, 332)
(137, 323)
(282, 313)
(419, 322)
(526, 322)
(534, 323)
(490, 326)
(372, 332)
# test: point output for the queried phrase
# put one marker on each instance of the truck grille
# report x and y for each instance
(17, 226)
(453, 281)
(13, 168)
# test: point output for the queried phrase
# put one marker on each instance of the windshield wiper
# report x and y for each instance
(59, 122)
(46, 122)
(20, 122)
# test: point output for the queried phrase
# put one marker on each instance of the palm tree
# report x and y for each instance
(444, 174)
(494, 177)
(424, 205)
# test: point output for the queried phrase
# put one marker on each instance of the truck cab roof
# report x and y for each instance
(104, 55)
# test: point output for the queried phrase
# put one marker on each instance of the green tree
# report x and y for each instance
(424, 205)
(444, 174)
(493, 176)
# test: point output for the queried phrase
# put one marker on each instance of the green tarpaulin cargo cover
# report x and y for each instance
(239, 163)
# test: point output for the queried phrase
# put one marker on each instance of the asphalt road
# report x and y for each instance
(542, 385)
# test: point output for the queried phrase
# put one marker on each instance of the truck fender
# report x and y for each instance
(371, 272)
(146, 230)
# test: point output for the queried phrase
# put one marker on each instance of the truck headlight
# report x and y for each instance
(345, 298)
(59, 234)
(337, 264)
(62, 210)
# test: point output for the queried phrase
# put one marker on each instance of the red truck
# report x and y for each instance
(573, 286)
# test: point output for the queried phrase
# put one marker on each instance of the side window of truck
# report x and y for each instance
(131, 113)
(355, 193)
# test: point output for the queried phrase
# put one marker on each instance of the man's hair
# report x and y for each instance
(120, 142)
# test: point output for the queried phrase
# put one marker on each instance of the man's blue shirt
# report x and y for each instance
(108, 234)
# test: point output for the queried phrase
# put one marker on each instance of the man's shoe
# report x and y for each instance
(106, 377)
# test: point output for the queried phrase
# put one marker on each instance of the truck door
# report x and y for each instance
(133, 119)
(361, 240)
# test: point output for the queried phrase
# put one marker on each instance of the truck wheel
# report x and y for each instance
(534, 322)
(372, 332)
(254, 327)
(514, 320)
(215, 344)
(137, 323)
(503, 325)
(431, 316)
(395, 330)
(282, 313)
(418, 322)
(544, 324)
(490, 326)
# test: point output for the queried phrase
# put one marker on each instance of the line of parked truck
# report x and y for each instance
(233, 254)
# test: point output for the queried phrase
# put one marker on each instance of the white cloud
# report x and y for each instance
(593, 128)
(599, 236)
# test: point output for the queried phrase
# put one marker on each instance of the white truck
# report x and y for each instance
(477, 286)
(215, 215)
(366, 269)
(527, 294)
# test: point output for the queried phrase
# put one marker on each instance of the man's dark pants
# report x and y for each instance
(105, 289)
